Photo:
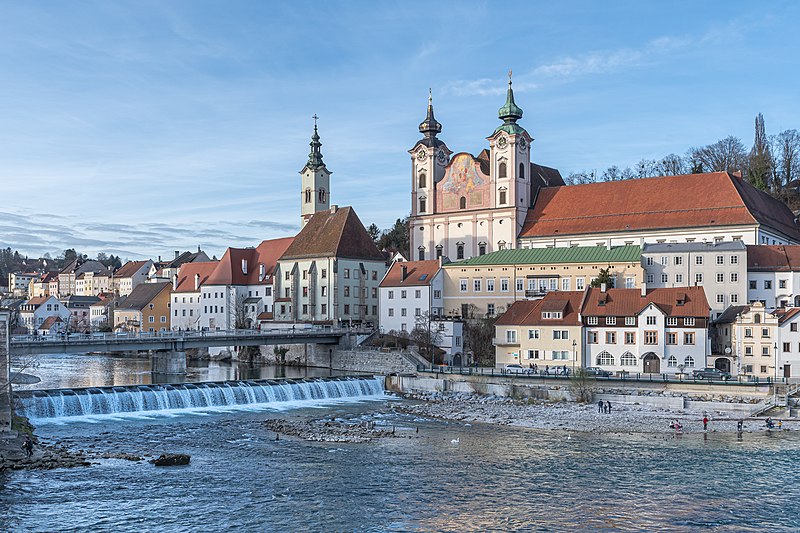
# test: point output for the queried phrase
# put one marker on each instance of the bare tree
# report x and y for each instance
(787, 159)
(646, 168)
(581, 384)
(579, 178)
(725, 155)
(478, 338)
(426, 335)
(671, 165)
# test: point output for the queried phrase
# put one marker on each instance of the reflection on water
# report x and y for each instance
(60, 371)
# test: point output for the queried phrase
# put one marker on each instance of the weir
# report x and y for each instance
(64, 403)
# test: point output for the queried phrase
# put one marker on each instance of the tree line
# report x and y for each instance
(13, 261)
(771, 164)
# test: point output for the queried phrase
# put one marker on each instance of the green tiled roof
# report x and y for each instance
(546, 256)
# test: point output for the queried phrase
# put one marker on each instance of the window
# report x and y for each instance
(688, 321)
(305, 309)
(462, 203)
(611, 337)
(346, 309)
(565, 284)
(347, 290)
(490, 309)
(782, 284)
(391, 312)
(678, 278)
(765, 332)
(504, 285)
(481, 249)
(533, 334)
(720, 259)
(664, 260)
(417, 311)
(520, 285)
(346, 274)
(533, 354)
(793, 326)
(767, 284)
(734, 277)
(678, 260)
(649, 261)
(651, 321)
(765, 351)
(672, 338)
(511, 336)
(672, 362)
(688, 361)
(437, 294)
(748, 350)
(522, 171)
(698, 278)
(763, 369)
(630, 282)
(605, 359)
(630, 337)
(476, 285)
(753, 285)
(734, 298)
(627, 359)
(490, 285)
(651, 278)
(592, 320)
(151, 319)
(560, 334)
(403, 294)
(734, 259)
(748, 332)
(551, 314)
(787, 347)
(591, 337)
(421, 255)
(757, 318)
(462, 285)
(720, 298)
(698, 260)
(460, 250)
(560, 355)
(611, 321)
(664, 278)
(501, 171)
(651, 337)
(720, 277)
(422, 181)
(688, 338)
(579, 283)
(502, 196)
(308, 196)
(403, 311)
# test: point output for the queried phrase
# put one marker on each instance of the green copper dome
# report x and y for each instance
(510, 113)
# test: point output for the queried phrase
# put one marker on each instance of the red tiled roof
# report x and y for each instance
(337, 234)
(265, 315)
(786, 314)
(529, 312)
(49, 322)
(129, 269)
(187, 272)
(417, 273)
(692, 200)
(630, 302)
(39, 300)
(764, 258)
(229, 269)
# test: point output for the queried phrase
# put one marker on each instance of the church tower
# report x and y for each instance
(315, 187)
(510, 161)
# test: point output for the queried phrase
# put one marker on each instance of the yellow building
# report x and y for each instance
(488, 284)
(146, 309)
(541, 333)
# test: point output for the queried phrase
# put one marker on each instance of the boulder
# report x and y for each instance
(171, 459)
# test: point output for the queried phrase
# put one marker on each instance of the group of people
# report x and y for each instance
(604, 407)
(771, 425)
(676, 425)
(555, 371)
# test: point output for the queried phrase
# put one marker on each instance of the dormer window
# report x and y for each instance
(244, 266)
(551, 315)
(262, 272)
(592, 320)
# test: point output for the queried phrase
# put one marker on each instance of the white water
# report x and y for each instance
(58, 406)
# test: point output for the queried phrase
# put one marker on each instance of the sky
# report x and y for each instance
(138, 128)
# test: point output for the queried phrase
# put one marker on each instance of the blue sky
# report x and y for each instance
(138, 128)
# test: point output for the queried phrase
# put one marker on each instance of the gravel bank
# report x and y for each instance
(331, 430)
(570, 416)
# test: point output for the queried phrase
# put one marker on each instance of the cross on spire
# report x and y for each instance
(509, 77)
(315, 117)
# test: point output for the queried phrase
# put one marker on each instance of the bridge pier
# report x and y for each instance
(5, 375)
(168, 362)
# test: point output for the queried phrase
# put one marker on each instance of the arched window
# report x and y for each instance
(501, 171)
(503, 195)
(462, 203)
(422, 205)
(605, 359)
(522, 171)
(672, 362)
(322, 195)
(628, 359)
(688, 362)
(481, 248)
(501, 245)
(422, 253)
(422, 181)
(757, 318)
(460, 250)
(438, 251)
(308, 196)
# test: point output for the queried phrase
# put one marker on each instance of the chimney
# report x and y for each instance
(602, 287)
(644, 289)
(174, 281)
(608, 244)
(177, 253)
(198, 249)
(334, 208)
(159, 258)
(403, 272)
(196, 281)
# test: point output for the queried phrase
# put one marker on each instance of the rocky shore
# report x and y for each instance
(570, 416)
(331, 430)
(45, 456)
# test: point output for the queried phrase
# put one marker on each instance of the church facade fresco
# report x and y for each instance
(464, 185)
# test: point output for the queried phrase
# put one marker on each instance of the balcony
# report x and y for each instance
(536, 293)
(505, 342)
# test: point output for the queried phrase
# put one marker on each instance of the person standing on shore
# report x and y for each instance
(608, 407)
(600, 406)
(28, 445)
(705, 422)
(739, 425)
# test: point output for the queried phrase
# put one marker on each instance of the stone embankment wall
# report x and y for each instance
(5, 369)
(673, 396)
(346, 358)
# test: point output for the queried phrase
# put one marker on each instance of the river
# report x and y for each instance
(435, 476)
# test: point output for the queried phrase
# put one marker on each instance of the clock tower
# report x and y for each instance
(315, 181)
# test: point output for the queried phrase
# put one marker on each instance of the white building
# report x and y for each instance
(719, 267)
(649, 331)
(187, 305)
(35, 311)
(773, 276)
(130, 275)
(19, 282)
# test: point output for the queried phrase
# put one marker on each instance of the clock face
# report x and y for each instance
(523, 144)
(502, 142)
(421, 154)
(441, 156)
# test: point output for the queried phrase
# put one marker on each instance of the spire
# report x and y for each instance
(430, 127)
(315, 156)
(510, 112)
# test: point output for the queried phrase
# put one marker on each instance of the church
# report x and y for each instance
(464, 206)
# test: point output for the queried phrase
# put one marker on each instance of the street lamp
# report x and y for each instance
(574, 355)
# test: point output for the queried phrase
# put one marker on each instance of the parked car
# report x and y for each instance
(711, 374)
(514, 369)
(598, 372)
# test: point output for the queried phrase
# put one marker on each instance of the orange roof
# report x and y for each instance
(129, 269)
(630, 302)
(39, 300)
(417, 273)
(187, 271)
(529, 312)
(338, 233)
(691, 200)
(229, 270)
(786, 314)
(50, 321)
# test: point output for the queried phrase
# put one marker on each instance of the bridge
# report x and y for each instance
(171, 341)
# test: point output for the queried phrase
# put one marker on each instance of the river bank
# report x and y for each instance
(571, 417)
